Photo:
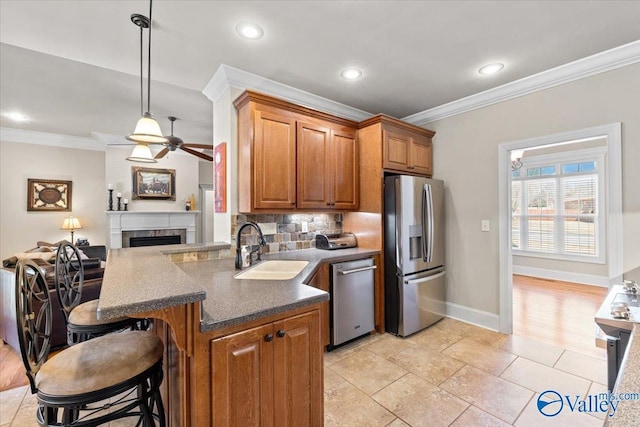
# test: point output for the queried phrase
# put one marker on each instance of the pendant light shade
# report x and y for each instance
(147, 131)
(142, 153)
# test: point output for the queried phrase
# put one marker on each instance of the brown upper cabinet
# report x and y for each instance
(292, 157)
(405, 148)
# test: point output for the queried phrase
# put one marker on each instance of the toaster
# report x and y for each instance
(336, 241)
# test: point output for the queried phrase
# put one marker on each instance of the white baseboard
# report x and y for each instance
(480, 318)
(565, 276)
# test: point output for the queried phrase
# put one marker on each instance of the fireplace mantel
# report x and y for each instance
(120, 221)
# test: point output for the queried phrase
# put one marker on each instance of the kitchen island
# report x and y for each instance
(238, 352)
(628, 380)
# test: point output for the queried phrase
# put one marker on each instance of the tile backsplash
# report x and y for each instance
(288, 232)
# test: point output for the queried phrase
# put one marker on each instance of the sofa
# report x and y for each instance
(93, 272)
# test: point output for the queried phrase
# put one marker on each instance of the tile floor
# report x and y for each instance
(451, 374)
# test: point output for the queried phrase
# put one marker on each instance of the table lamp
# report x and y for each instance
(71, 223)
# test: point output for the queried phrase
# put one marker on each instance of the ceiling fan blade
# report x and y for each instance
(203, 146)
(197, 153)
(162, 153)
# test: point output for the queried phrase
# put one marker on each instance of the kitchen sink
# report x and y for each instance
(273, 270)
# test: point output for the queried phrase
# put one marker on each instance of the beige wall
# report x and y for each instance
(205, 173)
(19, 229)
(466, 158)
(90, 172)
(118, 173)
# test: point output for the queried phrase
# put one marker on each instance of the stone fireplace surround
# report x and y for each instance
(150, 223)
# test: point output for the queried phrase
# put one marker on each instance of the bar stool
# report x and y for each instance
(91, 383)
(82, 319)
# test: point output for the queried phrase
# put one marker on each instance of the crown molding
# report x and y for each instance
(227, 76)
(608, 60)
(51, 139)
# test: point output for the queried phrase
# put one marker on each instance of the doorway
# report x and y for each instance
(206, 203)
(613, 228)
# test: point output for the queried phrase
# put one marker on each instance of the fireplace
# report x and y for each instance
(136, 238)
(123, 225)
(135, 242)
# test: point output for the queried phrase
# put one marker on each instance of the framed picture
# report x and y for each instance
(48, 195)
(150, 183)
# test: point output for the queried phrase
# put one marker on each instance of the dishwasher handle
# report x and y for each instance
(357, 270)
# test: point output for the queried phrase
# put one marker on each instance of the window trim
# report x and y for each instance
(589, 154)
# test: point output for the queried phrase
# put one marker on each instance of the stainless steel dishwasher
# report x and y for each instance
(352, 296)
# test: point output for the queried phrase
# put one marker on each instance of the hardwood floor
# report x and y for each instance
(12, 373)
(559, 313)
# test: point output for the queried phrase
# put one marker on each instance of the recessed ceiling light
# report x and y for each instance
(351, 74)
(16, 116)
(491, 68)
(249, 30)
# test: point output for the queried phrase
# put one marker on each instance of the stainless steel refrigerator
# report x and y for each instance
(413, 253)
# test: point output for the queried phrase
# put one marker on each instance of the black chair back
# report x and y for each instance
(69, 276)
(33, 317)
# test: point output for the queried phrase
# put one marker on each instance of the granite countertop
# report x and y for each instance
(144, 279)
(628, 411)
(628, 381)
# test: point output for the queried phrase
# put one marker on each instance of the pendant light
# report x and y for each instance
(147, 129)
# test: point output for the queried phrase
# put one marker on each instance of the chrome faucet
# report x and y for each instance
(261, 243)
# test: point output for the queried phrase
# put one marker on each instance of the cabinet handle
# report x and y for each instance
(293, 203)
(328, 204)
(268, 337)
(281, 333)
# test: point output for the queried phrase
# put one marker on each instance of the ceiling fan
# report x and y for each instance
(173, 143)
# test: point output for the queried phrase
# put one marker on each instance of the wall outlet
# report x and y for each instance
(486, 225)
(304, 227)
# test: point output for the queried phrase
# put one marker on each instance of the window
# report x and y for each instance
(557, 206)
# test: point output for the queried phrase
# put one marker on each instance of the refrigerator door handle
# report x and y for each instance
(424, 279)
(427, 223)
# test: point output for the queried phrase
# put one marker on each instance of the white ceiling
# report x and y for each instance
(73, 66)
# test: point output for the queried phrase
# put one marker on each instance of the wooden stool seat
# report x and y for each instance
(86, 314)
(98, 364)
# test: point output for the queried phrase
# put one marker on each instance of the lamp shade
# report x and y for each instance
(141, 153)
(147, 131)
(71, 223)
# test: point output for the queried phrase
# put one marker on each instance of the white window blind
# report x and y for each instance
(556, 208)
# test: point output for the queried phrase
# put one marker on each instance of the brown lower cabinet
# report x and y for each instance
(269, 375)
(266, 372)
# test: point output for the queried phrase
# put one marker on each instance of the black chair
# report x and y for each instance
(82, 319)
(91, 383)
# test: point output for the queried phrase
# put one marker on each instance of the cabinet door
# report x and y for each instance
(242, 367)
(396, 149)
(274, 167)
(314, 189)
(406, 152)
(298, 371)
(345, 171)
(420, 155)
